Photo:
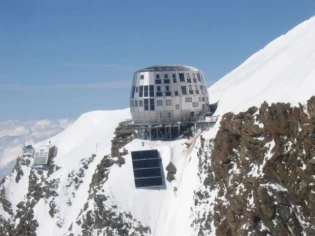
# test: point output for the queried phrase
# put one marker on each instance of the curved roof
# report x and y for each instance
(168, 68)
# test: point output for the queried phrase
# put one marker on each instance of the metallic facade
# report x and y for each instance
(168, 94)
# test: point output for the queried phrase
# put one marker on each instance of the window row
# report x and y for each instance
(194, 77)
(148, 91)
(148, 104)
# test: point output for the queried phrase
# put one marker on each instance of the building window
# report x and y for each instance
(174, 81)
(187, 75)
(168, 94)
(191, 91)
(146, 91)
(169, 115)
(146, 104)
(188, 99)
(136, 103)
(176, 93)
(167, 88)
(166, 81)
(196, 91)
(198, 76)
(141, 92)
(158, 81)
(168, 102)
(181, 77)
(201, 88)
(159, 94)
(152, 104)
(158, 88)
(203, 99)
(133, 91)
(194, 78)
(188, 80)
(151, 90)
(137, 89)
(184, 90)
(141, 76)
(159, 102)
(195, 104)
(165, 76)
(174, 76)
(140, 103)
(157, 76)
(177, 106)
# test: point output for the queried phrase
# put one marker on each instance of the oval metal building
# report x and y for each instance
(168, 94)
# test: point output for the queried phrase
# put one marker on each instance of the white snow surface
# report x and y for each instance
(283, 71)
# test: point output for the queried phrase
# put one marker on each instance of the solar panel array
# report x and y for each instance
(147, 168)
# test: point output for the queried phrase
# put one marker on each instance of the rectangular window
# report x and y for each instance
(191, 91)
(195, 81)
(174, 76)
(146, 91)
(159, 94)
(159, 102)
(194, 78)
(196, 91)
(188, 80)
(158, 88)
(198, 76)
(169, 115)
(140, 103)
(196, 86)
(174, 81)
(188, 99)
(177, 106)
(168, 102)
(151, 90)
(201, 88)
(157, 76)
(146, 104)
(168, 94)
(195, 104)
(165, 76)
(167, 88)
(181, 77)
(141, 92)
(187, 75)
(133, 91)
(158, 81)
(152, 104)
(141, 76)
(166, 81)
(176, 93)
(203, 99)
(184, 90)
(137, 89)
(136, 103)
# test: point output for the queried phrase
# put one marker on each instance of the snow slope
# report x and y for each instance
(283, 71)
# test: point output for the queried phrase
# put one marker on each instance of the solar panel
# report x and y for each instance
(147, 168)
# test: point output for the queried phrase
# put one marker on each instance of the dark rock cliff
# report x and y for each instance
(263, 166)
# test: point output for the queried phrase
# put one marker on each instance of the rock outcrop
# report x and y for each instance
(261, 172)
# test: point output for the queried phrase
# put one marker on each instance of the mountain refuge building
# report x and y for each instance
(168, 96)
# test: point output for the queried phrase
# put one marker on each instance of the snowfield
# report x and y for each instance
(284, 71)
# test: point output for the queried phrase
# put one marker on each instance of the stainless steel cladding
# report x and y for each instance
(168, 94)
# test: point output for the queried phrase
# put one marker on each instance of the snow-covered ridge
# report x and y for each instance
(283, 71)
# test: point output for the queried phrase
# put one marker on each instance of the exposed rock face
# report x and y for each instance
(171, 171)
(262, 173)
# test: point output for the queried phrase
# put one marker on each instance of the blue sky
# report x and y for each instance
(60, 59)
